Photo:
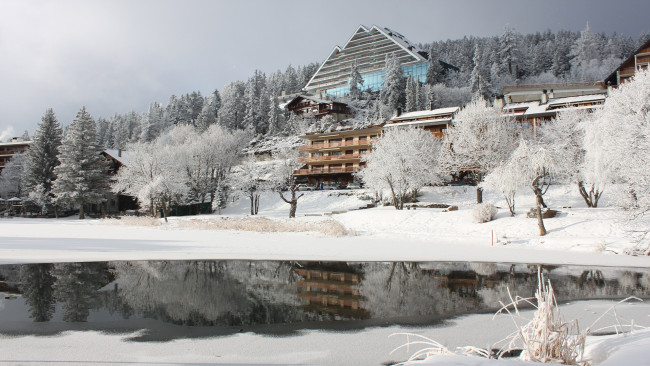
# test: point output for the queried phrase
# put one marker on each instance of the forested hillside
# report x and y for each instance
(485, 65)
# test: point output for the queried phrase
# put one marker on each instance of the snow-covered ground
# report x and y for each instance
(577, 236)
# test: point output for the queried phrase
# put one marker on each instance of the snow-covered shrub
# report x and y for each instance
(484, 212)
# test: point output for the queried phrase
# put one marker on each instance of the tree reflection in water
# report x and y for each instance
(237, 293)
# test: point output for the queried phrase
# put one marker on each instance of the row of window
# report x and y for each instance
(374, 81)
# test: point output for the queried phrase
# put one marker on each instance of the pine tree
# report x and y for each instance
(275, 117)
(435, 71)
(394, 85)
(81, 177)
(411, 95)
(480, 83)
(356, 83)
(42, 158)
(508, 52)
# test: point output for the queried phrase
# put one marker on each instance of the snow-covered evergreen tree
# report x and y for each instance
(509, 52)
(402, 161)
(233, 108)
(479, 82)
(411, 95)
(356, 83)
(81, 176)
(435, 71)
(394, 85)
(275, 118)
(41, 159)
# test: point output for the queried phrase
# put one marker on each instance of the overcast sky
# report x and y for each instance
(117, 56)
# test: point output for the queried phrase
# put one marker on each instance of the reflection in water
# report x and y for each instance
(37, 283)
(238, 293)
(76, 287)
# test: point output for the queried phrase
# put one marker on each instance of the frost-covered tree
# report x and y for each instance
(394, 85)
(41, 159)
(565, 137)
(12, 177)
(82, 175)
(153, 175)
(283, 176)
(402, 161)
(479, 140)
(356, 82)
(253, 179)
(618, 139)
(531, 165)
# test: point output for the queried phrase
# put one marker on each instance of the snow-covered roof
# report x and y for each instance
(426, 122)
(426, 113)
(115, 154)
(12, 143)
(578, 99)
(536, 108)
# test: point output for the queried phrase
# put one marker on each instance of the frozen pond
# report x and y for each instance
(189, 299)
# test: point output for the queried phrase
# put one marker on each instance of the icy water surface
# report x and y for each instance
(180, 299)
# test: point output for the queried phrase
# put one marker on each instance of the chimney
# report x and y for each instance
(119, 153)
(398, 112)
(431, 105)
(543, 97)
(551, 94)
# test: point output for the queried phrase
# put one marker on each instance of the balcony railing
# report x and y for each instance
(324, 145)
(347, 169)
(331, 157)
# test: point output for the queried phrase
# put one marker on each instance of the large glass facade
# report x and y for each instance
(374, 80)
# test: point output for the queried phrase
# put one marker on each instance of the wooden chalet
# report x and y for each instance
(435, 121)
(305, 106)
(534, 104)
(8, 149)
(334, 157)
(118, 203)
(639, 60)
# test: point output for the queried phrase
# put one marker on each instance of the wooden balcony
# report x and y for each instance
(326, 145)
(349, 169)
(331, 158)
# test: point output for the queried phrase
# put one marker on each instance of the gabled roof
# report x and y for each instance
(611, 79)
(115, 154)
